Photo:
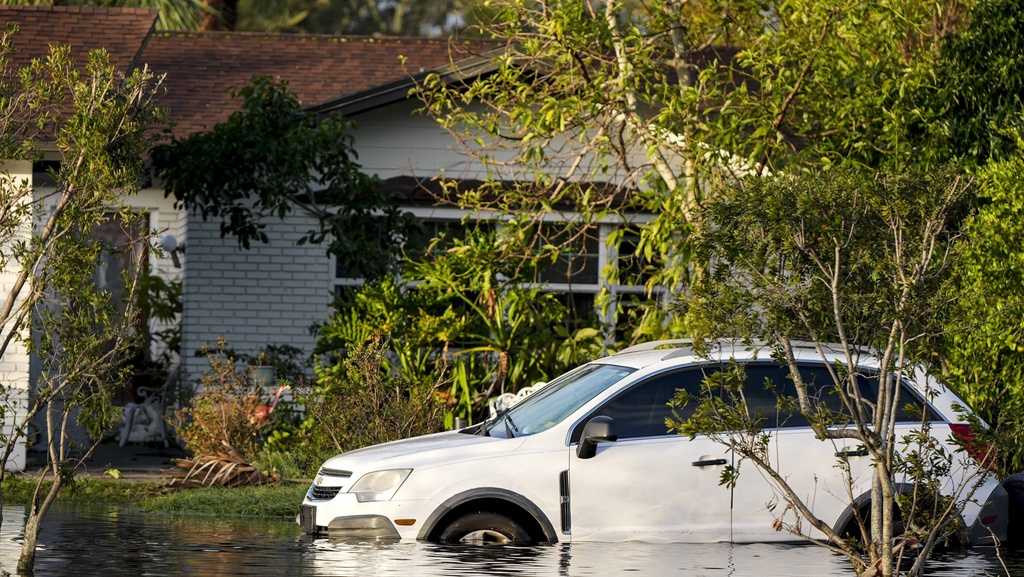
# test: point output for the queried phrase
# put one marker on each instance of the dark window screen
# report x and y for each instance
(910, 406)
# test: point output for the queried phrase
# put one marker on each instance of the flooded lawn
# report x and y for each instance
(119, 542)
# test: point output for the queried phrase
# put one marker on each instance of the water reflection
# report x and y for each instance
(329, 558)
(121, 542)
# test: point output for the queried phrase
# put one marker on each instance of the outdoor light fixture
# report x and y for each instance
(169, 243)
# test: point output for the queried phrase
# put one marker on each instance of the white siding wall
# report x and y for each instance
(269, 294)
(399, 140)
(14, 365)
(395, 140)
(164, 219)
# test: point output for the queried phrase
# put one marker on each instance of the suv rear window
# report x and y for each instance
(768, 381)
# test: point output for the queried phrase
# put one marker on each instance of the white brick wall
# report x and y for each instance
(269, 294)
(14, 365)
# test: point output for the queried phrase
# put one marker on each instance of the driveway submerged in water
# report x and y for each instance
(110, 541)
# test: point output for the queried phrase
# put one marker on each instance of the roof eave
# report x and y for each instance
(398, 91)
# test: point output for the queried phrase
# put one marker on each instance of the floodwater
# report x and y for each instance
(114, 542)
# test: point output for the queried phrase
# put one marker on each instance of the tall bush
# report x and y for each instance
(986, 333)
(222, 415)
(858, 259)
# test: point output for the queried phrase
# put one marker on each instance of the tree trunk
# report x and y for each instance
(27, 560)
(223, 15)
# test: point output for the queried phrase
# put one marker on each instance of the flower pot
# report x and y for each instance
(262, 376)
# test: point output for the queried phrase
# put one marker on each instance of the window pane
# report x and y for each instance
(560, 398)
(910, 405)
(577, 260)
(773, 398)
(418, 240)
(764, 383)
(580, 307)
(763, 401)
(630, 311)
(634, 270)
(642, 410)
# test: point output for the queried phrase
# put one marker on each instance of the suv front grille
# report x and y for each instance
(335, 473)
(323, 493)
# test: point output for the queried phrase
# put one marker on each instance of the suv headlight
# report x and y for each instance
(379, 485)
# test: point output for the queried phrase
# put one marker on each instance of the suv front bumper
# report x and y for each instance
(344, 516)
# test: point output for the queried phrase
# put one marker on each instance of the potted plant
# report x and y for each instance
(262, 373)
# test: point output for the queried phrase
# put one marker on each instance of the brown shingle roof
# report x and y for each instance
(122, 31)
(203, 68)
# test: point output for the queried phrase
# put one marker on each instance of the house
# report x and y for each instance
(270, 293)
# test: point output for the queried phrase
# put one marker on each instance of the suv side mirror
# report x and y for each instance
(600, 428)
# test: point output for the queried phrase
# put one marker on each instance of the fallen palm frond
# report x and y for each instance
(225, 469)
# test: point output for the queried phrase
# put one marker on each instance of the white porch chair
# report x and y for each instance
(505, 401)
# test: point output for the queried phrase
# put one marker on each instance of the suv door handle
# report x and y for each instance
(709, 462)
(858, 452)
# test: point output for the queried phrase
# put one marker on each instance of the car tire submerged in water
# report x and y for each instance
(485, 528)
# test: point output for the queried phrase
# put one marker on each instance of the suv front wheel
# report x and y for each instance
(485, 528)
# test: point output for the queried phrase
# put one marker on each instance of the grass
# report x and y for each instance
(19, 490)
(268, 501)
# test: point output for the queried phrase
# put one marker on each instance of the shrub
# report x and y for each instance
(358, 403)
(472, 312)
(222, 415)
(224, 426)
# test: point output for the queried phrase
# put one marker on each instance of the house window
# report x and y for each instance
(578, 259)
(632, 268)
(576, 274)
(341, 281)
(580, 305)
(414, 246)
(444, 232)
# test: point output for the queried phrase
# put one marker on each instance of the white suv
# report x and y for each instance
(588, 458)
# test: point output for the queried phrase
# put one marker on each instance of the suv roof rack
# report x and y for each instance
(757, 344)
(654, 345)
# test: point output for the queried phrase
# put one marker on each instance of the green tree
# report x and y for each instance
(658, 98)
(97, 119)
(397, 17)
(977, 101)
(271, 159)
(858, 259)
(976, 118)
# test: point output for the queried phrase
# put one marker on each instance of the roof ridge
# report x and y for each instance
(78, 9)
(300, 36)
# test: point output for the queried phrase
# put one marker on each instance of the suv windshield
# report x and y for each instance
(555, 401)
